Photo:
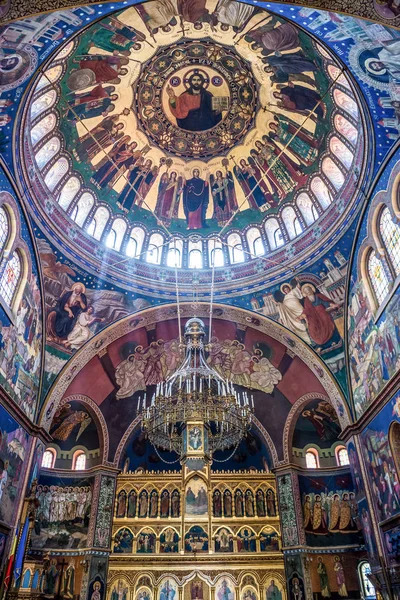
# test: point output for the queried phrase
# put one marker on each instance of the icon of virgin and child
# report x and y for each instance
(195, 109)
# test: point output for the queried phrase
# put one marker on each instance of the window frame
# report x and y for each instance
(315, 454)
(53, 459)
(76, 456)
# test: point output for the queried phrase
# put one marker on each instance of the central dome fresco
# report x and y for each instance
(192, 134)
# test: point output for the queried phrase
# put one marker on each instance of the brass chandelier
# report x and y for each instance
(195, 412)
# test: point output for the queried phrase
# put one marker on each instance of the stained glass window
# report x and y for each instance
(48, 459)
(333, 173)
(56, 172)
(293, 227)
(154, 250)
(307, 208)
(390, 233)
(135, 243)
(50, 76)
(274, 234)
(98, 223)
(68, 192)
(43, 103)
(216, 254)
(337, 76)
(82, 209)
(116, 235)
(345, 103)
(311, 459)
(43, 128)
(235, 248)
(4, 227)
(368, 590)
(341, 151)
(47, 152)
(10, 278)
(347, 130)
(255, 242)
(379, 279)
(321, 191)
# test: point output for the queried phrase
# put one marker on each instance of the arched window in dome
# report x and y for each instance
(342, 457)
(235, 248)
(346, 129)
(255, 242)
(68, 192)
(49, 458)
(333, 173)
(66, 51)
(337, 76)
(274, 234)
(154, 249)
(312, 459)
(195, 253)
(4, 228)
(79, 461)
(307, 208)
(378, 277)
(345, 103)
(116, 234)
(215, 253)
(98, 222)
(341, 151)
(390, 233)
(321, 192)
(46, 152)
(291, 221)
(135, 243)
(42, 128)
(42, 103)
(56, 173)
(175, 252)
(50, 76)
(82, 209)
(10, 277)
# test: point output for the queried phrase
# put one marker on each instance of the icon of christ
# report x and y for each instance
(193, 109)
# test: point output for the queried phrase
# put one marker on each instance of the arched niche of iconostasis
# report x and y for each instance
(75, 430)
(316, 431)
(252, 454)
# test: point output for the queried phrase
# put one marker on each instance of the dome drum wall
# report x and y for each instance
(176, 136)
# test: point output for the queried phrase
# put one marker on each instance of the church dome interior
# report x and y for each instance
(199, 300)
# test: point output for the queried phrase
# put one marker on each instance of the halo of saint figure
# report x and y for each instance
(195, 100)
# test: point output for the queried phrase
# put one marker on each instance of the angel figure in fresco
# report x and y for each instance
(307, 513)
(168, 197)
(66, 420)
(290, 308)
(129, 375)
(224, 196)
(265, 376)
(232, 14)
(320, 524)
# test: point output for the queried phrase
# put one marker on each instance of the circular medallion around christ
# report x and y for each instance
(196, 99)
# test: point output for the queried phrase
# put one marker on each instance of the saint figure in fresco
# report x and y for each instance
(62, 320)
(195, 200)
(302, 144)
(274, 39)
(323, 578)
(273, 592)
(167, 591)
(227, 504)
(86, 105)
(114, 35)
(196, 592)
(168, 197)
(119, 592)
(321, 327)
(193, 108)
(217, 504)
(233, 14)
(224, 592)
(340, 578)
(106, 68)
(260, 505)
(224, 196)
